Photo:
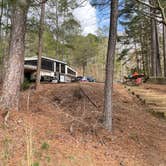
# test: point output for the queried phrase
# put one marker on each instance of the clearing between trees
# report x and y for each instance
(61, 125)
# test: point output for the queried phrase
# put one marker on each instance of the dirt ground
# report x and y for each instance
(157, 87)
(62, 125)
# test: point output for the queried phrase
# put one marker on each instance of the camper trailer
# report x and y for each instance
(52, 70)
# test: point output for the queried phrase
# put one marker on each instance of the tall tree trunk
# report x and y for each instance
(40, 47)
(1, 41)
(5, 43)
(142, 54)
(137, 57)
(155, 57)
(146, 55)
(158, 62)
(14, 72)
(83, 70)
(57, 30)
(63, 38)
(164, 48)
(153, 43)
(110, 65)
(1, 15)
(153, 48)
(143, 58)
(143, 41)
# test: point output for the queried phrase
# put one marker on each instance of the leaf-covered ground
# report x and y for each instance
(61, 125)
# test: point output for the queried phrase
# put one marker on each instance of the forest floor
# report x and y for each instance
(61, 125)
(154, 96)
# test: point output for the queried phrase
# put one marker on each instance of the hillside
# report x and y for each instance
(61, 125)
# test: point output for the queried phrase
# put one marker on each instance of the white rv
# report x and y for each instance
(51, 69)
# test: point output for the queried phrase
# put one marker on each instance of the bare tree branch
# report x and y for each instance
(146, 4)
(162, 11)
(153, 16)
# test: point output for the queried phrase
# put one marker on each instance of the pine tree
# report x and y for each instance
(14, 72)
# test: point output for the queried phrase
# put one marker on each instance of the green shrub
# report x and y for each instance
(25, 85)
(45, 146)
(48, 159)
(35, 164)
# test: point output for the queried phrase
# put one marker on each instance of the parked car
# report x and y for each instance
(91, 79)
(77, 79)
(84, 79)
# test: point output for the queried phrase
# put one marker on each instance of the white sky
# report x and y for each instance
(87, 17)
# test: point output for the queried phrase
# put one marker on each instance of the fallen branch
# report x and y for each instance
(88, 97)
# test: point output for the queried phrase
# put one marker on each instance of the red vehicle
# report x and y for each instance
(134, 79)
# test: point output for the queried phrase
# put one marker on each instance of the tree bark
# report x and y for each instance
(110, 65)
(40, 47)
(57, 30)
(137, 57)
(153, 44)
(14, 72)
(146, 55)
(143, 54)
(5, 44)
(1, 41)
(1, 15)
(158, 62)
(153, 48)
(164, 49)
(83, 70)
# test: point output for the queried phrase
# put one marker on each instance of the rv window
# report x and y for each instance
(62, 68)
(31, 62)
(57, 67)
(71, 72)
(47, 65)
